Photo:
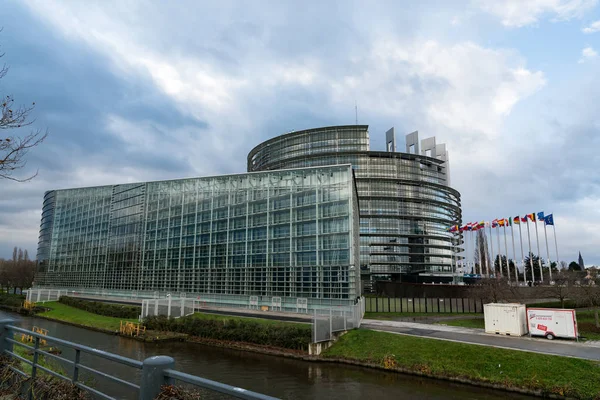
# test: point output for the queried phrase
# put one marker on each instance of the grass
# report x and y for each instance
(219, 317)
(395, 315)
(74, 315)
(551, 374)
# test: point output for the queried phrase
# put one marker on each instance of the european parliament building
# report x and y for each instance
(405, 199)
(316, 212)
(289, 233)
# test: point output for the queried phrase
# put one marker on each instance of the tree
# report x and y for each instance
(564, 281)
(14, 148)
(589, 295)
(511, 267)
(535, 260)
(17, 273)
(563, 265)
(492, 290)
(481, 254)
(574, 266)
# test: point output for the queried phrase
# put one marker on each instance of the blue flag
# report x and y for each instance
(548, 220)
(540, 215)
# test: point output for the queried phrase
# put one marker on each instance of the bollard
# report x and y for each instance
(4, 333)
(153, 376)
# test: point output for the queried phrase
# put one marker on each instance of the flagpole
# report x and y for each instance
(506, 251)
(530, 254)
(537, 238)
(548, 252)
(478, 241)
(512, 233)
(487, 257)
(555, 242)
(492, 250)
(522, 255)
(467, 251)
(499, 251)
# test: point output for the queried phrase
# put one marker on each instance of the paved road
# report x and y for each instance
(569, 348)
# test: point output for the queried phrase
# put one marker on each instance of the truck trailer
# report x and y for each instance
(552, 323)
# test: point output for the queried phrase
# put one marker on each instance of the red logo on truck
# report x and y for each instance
(542, 327)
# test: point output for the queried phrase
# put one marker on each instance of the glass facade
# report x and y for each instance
(405, 203)
(290, 233)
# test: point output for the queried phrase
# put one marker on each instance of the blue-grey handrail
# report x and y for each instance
(156, 371)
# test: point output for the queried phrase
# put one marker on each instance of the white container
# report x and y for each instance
(505, 319)
(552, 323)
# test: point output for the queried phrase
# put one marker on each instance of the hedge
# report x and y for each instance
(238, 330)
(11, 300)
(106, 309)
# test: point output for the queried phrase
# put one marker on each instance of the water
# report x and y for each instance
(276, 376)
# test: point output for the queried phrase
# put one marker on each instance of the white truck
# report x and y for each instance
(552, 323)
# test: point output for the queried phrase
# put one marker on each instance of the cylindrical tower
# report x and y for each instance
(405, 203)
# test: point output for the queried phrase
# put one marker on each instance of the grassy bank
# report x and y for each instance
(74, 315)
(512, 369)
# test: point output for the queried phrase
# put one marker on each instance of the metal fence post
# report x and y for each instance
(153, 376)
(4, 333)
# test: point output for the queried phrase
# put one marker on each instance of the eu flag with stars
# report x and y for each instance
(548, 220)
(540, 215)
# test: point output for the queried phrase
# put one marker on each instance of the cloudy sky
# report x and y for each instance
(135, 90)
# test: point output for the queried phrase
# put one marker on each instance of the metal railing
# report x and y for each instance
(155, 371)
(327, 322)
(209, 300)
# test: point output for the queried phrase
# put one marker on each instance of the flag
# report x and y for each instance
(531, 217)
(517, 220)
(510, 221)
(540, 216)
(501, 222)
(463, 228)
(549, 220)
(524, 219)
(495, 223)
(482, 224)
(453, 228)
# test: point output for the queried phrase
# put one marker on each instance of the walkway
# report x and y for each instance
(567, 348)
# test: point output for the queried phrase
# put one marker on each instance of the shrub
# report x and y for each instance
(106, 309)
(236, 330)
(11, 300)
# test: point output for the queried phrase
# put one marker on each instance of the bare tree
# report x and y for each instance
(492, 290)
(563, 265)
(589, 296)
(481, 253)
(14, 148)
(563, 288)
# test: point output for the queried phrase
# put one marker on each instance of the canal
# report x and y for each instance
(276, 376)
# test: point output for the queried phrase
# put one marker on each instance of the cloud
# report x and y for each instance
(587, 53)
(134, 93)
(519, 13)
(592, 28)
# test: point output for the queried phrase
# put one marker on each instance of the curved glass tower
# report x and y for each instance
(405, 199)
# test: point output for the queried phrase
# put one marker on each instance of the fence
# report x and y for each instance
(423, 305)
(155, 371)
(170, 307)
(205, 300)
(327, 322)
(44, 295)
